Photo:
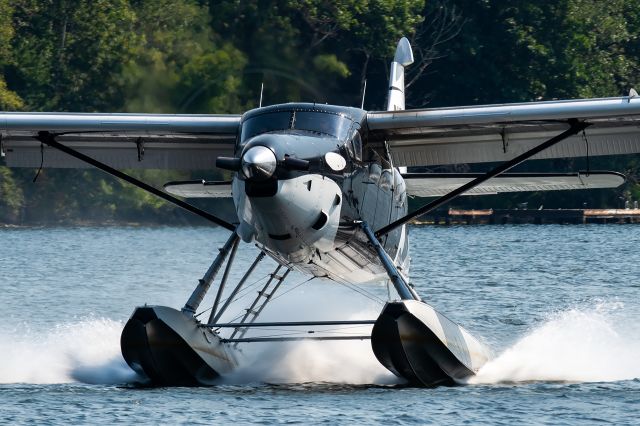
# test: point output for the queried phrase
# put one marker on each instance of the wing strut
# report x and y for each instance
(50, 139)
(576, 127)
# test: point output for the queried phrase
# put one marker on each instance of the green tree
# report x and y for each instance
(68, 54)
(316, 50)
(180, 65)
(11, 196)
(524, 50)
(9, 100)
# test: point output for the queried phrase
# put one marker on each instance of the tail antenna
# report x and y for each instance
(364, 92)
(261, 92)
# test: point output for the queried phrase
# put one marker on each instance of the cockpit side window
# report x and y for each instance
(354, 146)
(357, 146)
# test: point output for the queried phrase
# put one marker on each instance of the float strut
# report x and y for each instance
(237, 289)
(198, 294)
(223, 282)
(404, 290)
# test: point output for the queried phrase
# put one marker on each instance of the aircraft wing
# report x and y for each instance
(438, 184)
(496, 133)
(136, 141)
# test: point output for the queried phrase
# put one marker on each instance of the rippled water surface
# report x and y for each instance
(558, 305)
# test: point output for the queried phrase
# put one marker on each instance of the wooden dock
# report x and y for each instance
(540, 216)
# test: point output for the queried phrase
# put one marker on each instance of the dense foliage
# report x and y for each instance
(197, 56)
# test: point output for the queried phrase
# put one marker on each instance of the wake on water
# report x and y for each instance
(576, 345)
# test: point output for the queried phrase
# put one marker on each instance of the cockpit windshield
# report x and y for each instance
(265, 123)
(323, 123)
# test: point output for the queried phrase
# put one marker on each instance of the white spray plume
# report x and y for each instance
(347, 362)
(87, 351)
(577, 345)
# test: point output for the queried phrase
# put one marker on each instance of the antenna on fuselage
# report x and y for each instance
(364, 92)
(261, 92)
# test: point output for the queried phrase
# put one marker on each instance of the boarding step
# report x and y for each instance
(260, 302)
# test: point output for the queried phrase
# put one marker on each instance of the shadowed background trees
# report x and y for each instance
(190, 56)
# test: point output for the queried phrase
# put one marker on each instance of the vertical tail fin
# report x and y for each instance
(402, 58)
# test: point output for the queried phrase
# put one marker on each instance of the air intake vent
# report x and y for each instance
(321, 222)
(267, 188)
(281, 237)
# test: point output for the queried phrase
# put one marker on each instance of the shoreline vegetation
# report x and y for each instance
(199, 56)
(444, 217)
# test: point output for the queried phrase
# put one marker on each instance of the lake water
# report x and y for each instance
(558, 305)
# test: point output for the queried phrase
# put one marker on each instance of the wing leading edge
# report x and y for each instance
(493, 133)
(416, 137)
(137, 141)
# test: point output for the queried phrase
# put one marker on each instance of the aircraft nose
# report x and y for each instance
(259, 163)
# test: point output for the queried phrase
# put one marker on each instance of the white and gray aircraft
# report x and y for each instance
(323, 189)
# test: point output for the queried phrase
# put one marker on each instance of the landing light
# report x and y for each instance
(335, 161)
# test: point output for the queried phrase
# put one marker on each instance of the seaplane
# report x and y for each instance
(323, 190)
